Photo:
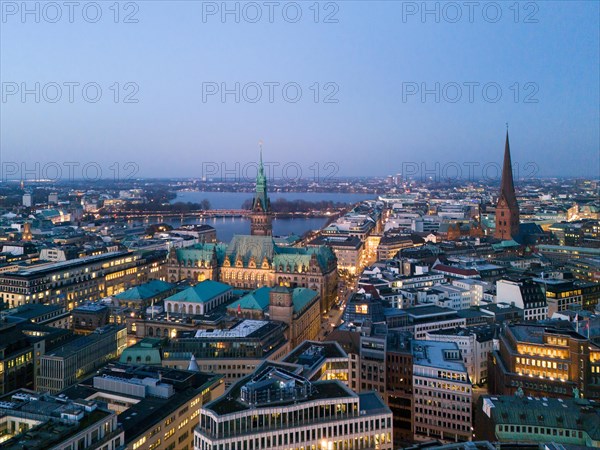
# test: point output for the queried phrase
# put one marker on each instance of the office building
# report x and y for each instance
(70, 362)
(157, 407)
(36, 421)
(71, 283)
(442, 392)
(566, 423)
(234, 352)
(475, 344)
(278, 408)
(299, 309)
(544, 361)
(321, 361)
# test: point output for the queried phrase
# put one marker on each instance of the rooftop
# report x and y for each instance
(482, 333)
(311, 353)
(81, 342)
(201, 293)
(55, 418)
(433, 354)
(574, 414)
(149, 410)
(33, 310)
(53, 267)
(231, 402)
(144, 291)
(245, 328)
(257, 299)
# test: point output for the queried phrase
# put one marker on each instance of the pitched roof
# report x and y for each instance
(257, 299)
(454, 270)
(302, 297)
(507, 187)
(147, 290)
(201, 293)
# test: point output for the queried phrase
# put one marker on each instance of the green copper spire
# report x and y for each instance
(261, 169)
(261, 200)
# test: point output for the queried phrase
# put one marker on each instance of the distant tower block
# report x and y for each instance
(507, 208)
(261, 216)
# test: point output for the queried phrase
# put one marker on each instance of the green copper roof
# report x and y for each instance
(201, 252)
(247, 247)
(144, 291)
(573, 414)
(302, 297)
(257, 300)
(145, 352)
(506, 244)
(201, 293)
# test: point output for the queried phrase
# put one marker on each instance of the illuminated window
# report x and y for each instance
(362, 309)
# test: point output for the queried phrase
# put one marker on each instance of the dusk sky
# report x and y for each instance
(370, 61)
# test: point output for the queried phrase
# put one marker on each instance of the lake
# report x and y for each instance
(234, 200)
(227, 227)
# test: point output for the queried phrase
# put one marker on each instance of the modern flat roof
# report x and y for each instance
(52, 267)
(243, 329)
(431, 354)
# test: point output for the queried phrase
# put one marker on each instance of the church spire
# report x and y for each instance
(507, 188)
(507, 209)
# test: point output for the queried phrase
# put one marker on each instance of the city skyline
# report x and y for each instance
(400, 94)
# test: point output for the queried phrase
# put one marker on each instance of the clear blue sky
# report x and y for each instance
(373, 49)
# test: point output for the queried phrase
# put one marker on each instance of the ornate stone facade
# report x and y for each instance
(249, 262)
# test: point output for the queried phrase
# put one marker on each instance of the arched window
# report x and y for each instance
(148, 358)
(150, 331)
(138, 359)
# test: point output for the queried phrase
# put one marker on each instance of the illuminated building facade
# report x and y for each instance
(277, 408)
(157, 407)
(546, 362)
(249, 262)
(71, 283)
(64, 365)
(442, 392)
